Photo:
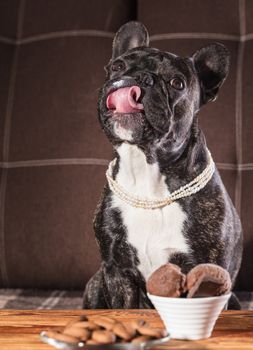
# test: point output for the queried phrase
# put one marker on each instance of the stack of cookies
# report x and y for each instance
(94, 330)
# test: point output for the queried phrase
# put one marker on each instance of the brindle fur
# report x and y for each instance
(168, 134)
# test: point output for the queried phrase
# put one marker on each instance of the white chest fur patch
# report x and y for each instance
(122, 133)
(155, 233)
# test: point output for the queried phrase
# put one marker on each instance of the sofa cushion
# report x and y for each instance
(53, 153)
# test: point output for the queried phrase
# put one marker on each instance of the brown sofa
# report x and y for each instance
(53, 153)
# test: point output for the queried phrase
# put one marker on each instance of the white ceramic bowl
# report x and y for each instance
(192, 318)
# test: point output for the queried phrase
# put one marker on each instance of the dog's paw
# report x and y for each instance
(207, 280)
(167, 281)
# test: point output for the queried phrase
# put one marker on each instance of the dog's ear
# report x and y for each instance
(212, 65)
(129, 36)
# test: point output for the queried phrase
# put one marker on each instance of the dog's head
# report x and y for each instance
(150, 94)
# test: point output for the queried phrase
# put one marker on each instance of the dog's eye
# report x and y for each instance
(177, 83)
(117, 66)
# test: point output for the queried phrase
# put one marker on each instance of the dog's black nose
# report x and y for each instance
(145, 79)
(148, 80)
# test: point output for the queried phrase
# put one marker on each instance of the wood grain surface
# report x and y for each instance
(19, 329)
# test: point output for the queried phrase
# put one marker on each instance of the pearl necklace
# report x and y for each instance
(184, 191)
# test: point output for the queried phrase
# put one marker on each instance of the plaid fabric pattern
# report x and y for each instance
(24, 299)
(53, 154)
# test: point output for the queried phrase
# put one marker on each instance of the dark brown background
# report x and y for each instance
(53, 154)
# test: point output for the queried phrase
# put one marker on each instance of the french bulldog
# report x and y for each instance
(148, 109)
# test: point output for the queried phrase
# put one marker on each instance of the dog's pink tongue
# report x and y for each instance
(124, 100)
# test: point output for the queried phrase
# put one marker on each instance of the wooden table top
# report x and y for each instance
(19, 329)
